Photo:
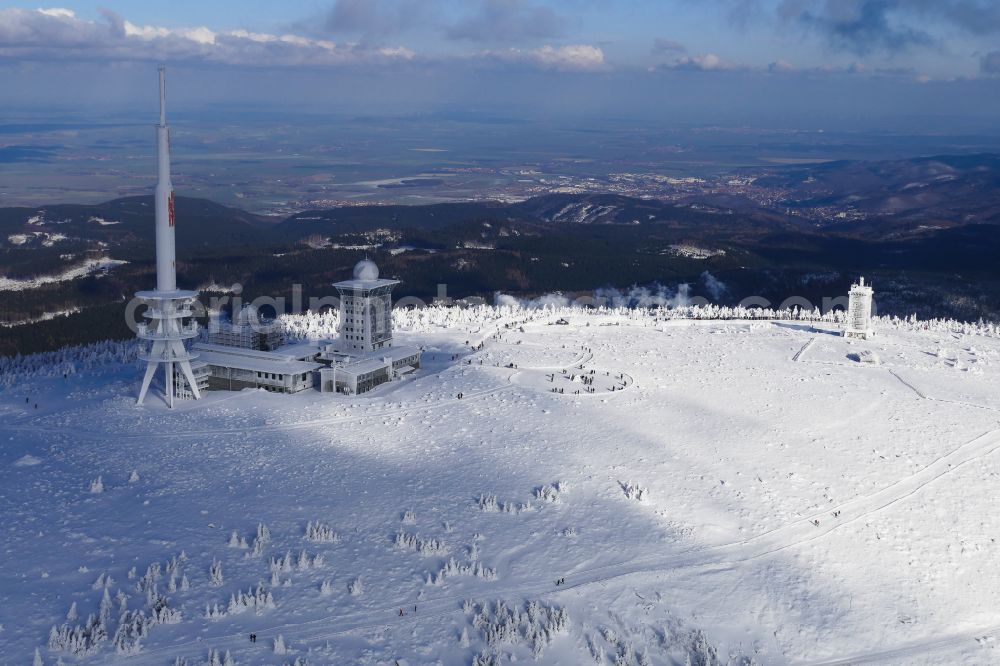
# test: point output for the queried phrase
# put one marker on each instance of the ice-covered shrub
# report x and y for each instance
(454, 568)
(216, 658)
(213, 612)
(413, 542)
(320, 533)
(549, 493)
(634, 491)
(488, 503)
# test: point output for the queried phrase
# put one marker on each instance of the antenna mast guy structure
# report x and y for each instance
(167, 306)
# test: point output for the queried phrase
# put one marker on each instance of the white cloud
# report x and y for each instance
(571, 57)
(704, 62)
(58, 12)
(59, 33)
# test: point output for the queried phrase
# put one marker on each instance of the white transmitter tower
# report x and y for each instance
(167, 306)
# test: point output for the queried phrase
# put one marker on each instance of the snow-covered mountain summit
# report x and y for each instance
(632, 487)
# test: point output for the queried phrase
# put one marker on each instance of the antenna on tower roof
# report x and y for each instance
(163, 96)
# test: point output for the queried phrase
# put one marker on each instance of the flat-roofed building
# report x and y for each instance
(234, 369)
(249, 352)
(358, 375)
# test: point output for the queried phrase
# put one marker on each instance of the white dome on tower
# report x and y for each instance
(366, 270)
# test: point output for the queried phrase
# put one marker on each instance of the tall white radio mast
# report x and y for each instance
(168, 306)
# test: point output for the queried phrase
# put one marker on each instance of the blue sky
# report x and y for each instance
(937, 56)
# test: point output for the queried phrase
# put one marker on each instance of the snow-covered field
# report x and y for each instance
(746, 493)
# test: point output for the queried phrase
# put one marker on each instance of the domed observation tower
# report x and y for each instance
(365, 310)
(365, 270)
(168, 308)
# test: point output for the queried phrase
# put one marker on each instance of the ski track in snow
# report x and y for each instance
(801, 352)
(912, 650)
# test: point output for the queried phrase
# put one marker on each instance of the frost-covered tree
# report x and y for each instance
(38, 659)
(97, 486)
(263, 534)
(104, 614)
(487, 658)
(279, 645)
(258, 599)
(701, 651)
(304, 561)
(215, 574)
(237, 541)
(99, 583)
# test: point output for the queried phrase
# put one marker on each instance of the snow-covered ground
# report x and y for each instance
(747, 491)
(48, 239)
(82, 270)
(43, 317)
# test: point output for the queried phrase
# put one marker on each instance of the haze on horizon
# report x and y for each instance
(926, 65)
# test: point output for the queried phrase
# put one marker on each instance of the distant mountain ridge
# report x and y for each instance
(889, 197)
(130, 220)
(926, 230)
(942, 190)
